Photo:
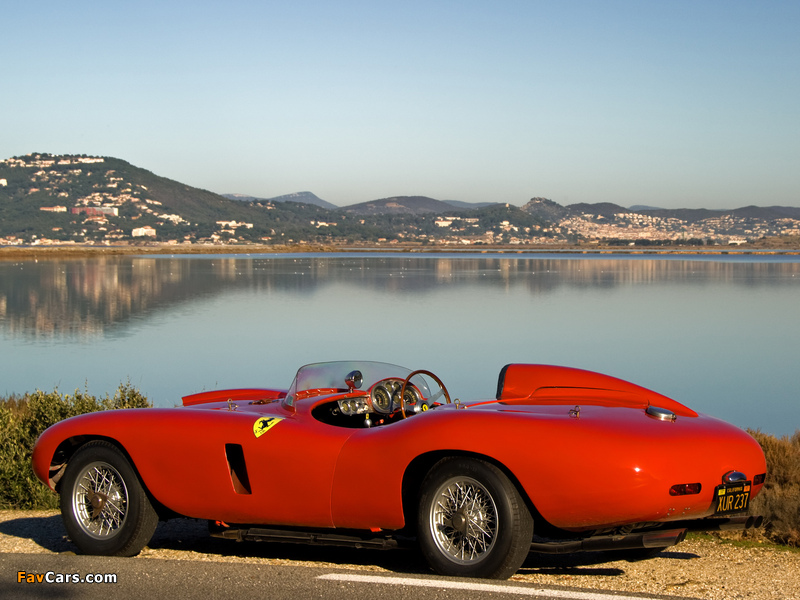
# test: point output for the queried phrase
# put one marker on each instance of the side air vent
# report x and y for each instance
(237, 468)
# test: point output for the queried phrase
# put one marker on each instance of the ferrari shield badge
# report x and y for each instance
(264, 424)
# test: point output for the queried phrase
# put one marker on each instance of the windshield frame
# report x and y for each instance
(331, 376)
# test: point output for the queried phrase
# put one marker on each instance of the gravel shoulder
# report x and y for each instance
(698, 568)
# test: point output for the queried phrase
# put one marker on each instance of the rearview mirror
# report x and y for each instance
(354, 380)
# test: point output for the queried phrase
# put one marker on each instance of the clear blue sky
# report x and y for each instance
(675, 103)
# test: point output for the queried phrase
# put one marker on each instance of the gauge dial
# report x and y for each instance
(411, 396)
(381, 399)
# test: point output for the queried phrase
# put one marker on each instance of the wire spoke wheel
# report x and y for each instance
(472, 520)
(463, 520)
(104, 506)
(100, 501)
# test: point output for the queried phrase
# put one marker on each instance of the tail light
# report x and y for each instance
(685, 489)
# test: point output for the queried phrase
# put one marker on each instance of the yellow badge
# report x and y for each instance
(264, 424)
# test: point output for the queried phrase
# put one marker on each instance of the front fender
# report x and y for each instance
(82, 427)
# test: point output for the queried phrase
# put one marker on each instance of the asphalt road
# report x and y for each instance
(20, 576)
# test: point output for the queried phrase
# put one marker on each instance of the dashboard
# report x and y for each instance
(383, 398)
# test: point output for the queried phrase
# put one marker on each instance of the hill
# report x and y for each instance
(696, 215)
(468, 205)
(299, 197)
(410, 205)
(554, 212)
(79, 198)
(46, 198)
(645, 226)
(545, 209)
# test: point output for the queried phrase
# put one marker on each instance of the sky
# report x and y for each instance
(673, 104)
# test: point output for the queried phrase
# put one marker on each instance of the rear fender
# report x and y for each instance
(546, 384)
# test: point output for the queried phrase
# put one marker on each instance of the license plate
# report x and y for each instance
(732, 498)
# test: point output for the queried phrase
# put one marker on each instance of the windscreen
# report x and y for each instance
(332, 375)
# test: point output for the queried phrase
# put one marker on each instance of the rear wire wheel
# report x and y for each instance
(104, 506)
(472, 521)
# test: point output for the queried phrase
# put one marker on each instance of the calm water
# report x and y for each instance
(720, 334)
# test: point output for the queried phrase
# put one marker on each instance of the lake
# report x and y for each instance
(718, 333)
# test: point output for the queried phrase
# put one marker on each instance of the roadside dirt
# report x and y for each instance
(698, 568)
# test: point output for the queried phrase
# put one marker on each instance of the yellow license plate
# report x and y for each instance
(732, 498)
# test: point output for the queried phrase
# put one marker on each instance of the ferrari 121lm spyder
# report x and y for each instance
(375, 455)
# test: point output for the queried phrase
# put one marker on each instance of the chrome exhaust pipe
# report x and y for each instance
(601, 543)
(658, 538)
(723, 523)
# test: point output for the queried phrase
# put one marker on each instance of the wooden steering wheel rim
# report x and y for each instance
(405, 384)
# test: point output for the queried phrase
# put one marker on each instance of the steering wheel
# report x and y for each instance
(443, 390)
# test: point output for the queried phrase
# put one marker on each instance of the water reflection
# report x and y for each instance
(721, 335)
(65, 298)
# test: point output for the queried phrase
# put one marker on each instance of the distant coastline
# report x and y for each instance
(80, 200)
(75, 251)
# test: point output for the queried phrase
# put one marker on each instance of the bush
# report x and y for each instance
(21, 422)
(779, 500)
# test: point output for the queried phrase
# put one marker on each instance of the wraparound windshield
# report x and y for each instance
(331, 376)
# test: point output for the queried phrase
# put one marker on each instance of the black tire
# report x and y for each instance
(103, 504)
(472, 521)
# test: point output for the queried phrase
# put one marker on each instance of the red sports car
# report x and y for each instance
(375, 455)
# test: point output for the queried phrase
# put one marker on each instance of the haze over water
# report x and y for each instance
(718, 333)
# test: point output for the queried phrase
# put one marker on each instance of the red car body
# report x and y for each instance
(589, 455)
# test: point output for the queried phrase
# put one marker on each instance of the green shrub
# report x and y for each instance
(779, 500)
(21, 422)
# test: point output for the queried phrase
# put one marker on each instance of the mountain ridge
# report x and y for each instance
(399, 205)
(411, 204)
(87, 199)
(299, 197)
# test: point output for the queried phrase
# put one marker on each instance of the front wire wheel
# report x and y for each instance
(472, 520)
(100, 501)
(104, 506)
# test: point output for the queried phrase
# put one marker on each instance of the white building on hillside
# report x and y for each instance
(143, 231)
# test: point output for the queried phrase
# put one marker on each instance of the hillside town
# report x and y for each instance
(100, 201)
(716, 230)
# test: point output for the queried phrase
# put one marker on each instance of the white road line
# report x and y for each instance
(477, 587)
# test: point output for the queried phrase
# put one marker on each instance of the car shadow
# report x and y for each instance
(592, 563)
(191, 536)
(46, 532)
